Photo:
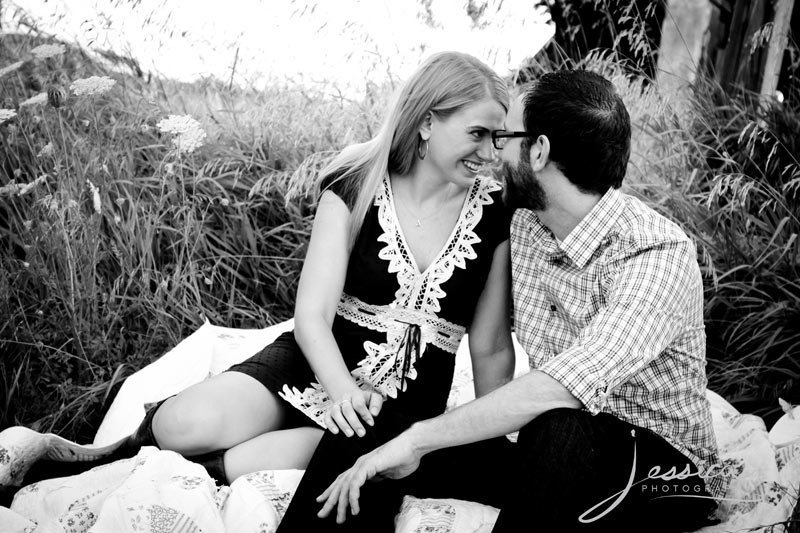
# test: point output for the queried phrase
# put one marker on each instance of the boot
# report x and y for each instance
(27, 456)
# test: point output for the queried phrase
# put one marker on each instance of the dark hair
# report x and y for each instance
(586, 123)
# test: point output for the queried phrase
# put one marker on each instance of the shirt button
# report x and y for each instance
(553, 308)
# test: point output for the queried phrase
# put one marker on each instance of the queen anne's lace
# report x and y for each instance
(187, 133)
(48, 50)
(40, 98)
(7, 114)
(92, 86)
(10, 68)
(416, 303)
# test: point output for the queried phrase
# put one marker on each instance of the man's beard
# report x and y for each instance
(522, 187)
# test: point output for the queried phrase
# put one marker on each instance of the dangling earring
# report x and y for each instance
(420, 152)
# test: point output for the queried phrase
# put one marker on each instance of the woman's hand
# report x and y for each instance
(349, 410)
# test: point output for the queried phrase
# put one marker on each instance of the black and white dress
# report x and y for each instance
(398, 329)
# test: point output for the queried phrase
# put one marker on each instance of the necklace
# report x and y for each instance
(435, 212)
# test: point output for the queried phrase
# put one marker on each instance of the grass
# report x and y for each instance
(89, 295)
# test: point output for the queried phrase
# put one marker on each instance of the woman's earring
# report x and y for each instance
(420, 152)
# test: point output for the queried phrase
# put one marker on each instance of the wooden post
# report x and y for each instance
(777, 47)
(730, 62)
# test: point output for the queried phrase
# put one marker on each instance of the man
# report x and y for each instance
(615, 432)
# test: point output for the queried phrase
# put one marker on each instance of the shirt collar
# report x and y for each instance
(581, 243)
(587, 236)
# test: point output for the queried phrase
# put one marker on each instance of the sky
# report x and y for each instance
(309, 41)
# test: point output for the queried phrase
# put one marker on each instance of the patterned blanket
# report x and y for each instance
(159, 491)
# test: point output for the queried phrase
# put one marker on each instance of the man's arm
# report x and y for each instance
(500, 412)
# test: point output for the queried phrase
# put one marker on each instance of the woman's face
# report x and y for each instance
(459, 145)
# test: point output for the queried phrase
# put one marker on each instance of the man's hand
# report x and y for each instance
(394, 460)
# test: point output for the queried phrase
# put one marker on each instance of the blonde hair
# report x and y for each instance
(442, 85)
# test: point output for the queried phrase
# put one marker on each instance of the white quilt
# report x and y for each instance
(159, 491)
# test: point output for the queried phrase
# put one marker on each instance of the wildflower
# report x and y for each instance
(92, 86)
(117, 219)
(186, 131)
(27, 224)
(169, 168)
(47, 150)
(40, 98)
(26, 264)
(9, 189)
(56, 96)
(48, 50)
(7, 114)
(25, 189)
(95, 196)
(120, 201)
(10, 68)
(17, 172)
(225, 202)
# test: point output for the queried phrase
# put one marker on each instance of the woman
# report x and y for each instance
(408, 249)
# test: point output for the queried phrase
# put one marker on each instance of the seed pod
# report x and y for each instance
(56, 96)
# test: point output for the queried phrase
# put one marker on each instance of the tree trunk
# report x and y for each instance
(682, 38)
(777, 49)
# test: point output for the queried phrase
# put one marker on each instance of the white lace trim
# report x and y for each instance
(394, 320)
(379, 367)
(378, 370)
(422, 291)
(416, 302)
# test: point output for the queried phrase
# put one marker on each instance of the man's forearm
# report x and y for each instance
(502, 411)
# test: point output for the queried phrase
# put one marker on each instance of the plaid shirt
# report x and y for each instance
(615, 314)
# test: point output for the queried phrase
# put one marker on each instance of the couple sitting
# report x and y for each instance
(411, 248)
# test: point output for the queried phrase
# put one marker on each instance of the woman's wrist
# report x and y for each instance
(342, 387)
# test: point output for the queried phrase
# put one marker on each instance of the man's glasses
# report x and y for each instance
(501, 137)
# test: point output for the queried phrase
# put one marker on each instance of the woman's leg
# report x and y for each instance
(216, 414)
(284, 449)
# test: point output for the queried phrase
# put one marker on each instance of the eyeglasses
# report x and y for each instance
(501, 137)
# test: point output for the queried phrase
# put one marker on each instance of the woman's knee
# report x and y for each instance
(182, 425)
(222, 412)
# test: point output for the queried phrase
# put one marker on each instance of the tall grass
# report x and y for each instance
(91, 292)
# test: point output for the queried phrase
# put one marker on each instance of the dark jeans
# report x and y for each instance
(564, 463)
